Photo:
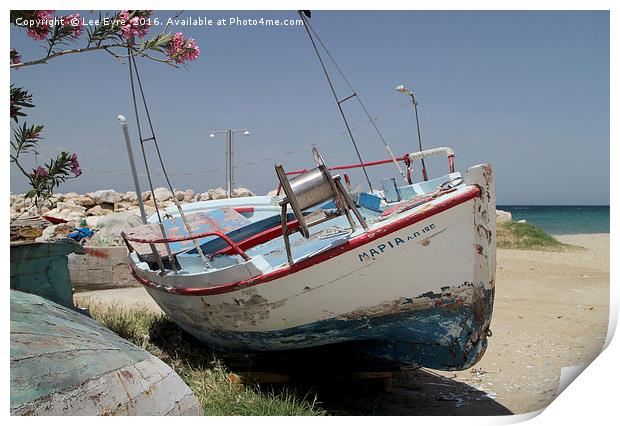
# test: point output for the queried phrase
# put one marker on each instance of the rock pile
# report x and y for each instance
(77, 208)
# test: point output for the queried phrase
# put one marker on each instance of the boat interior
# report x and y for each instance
(254, 229)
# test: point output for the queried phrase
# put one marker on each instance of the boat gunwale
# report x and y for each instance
(468, 194)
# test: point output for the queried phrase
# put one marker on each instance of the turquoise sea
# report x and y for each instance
(558, 220)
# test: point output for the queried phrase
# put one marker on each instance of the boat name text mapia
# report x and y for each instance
(393, 243)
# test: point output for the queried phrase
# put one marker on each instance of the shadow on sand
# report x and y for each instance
(412, 393)
(344, 382)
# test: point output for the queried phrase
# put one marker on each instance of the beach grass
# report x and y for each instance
(220, 391)
(525, 236)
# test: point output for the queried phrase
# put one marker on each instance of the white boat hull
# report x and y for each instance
(420, 290)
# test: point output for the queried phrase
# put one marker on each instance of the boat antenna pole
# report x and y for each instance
(355, 94)
(417, 125)
(304, 14)
(134, 68)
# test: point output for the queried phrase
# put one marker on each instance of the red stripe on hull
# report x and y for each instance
(352, 244)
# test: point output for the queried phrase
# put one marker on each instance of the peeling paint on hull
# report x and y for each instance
(64, 363)
(436, 331)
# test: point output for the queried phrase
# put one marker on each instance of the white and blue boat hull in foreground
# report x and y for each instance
(416, 287)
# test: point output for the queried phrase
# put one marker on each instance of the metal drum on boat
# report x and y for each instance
(311, 188)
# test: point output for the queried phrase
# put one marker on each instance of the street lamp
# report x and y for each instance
(403, 89)
(230, 174)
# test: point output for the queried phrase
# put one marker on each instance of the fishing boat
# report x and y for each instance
(404, 273)
(410, 278)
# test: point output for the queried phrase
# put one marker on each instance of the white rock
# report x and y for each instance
(242, 192)
(189, 194)
(136, 210)
(180, 195)
(99, 211)
(162, 194)
(273, 193)
(146, 195)
(55, 231)
(123, 205)
(216, 194)
(503, 216)
(18, 203)
(105, 196)
(70, 208)
(113, 224)
(68, 203)
(66, 214)
(130, 197)
(83, 200)
(74, 217)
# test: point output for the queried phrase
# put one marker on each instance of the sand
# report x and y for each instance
(551, 311)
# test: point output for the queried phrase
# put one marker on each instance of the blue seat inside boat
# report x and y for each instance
(366, 202)
(215, 244)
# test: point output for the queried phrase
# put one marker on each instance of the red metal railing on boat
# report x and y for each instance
(219, 234)
(259, 238)
(405, 159)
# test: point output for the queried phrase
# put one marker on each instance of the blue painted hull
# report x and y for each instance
(421, 337)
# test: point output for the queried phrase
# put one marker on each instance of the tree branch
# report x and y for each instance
(62, 53)
(106, 47)
(14, 159)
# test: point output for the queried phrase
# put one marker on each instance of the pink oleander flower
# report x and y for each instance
(75, 166)
(74, 23)
(138, 25)
(43, 24)
(181, 50)
(40, 172)
(15, 57)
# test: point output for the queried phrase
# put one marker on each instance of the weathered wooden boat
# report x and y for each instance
(65, 363)
(407, 272)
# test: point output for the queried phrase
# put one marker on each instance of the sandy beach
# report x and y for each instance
(551, 311)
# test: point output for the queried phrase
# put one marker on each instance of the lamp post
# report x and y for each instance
(230, 174)
(403, 89)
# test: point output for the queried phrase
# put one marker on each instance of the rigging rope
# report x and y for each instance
(359, 99)
(133, 68)
(275, 156)
(310, 30)
(338, 102)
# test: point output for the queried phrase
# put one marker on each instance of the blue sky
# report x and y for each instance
(526, 91)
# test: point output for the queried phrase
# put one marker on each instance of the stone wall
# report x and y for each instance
(102, 268)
